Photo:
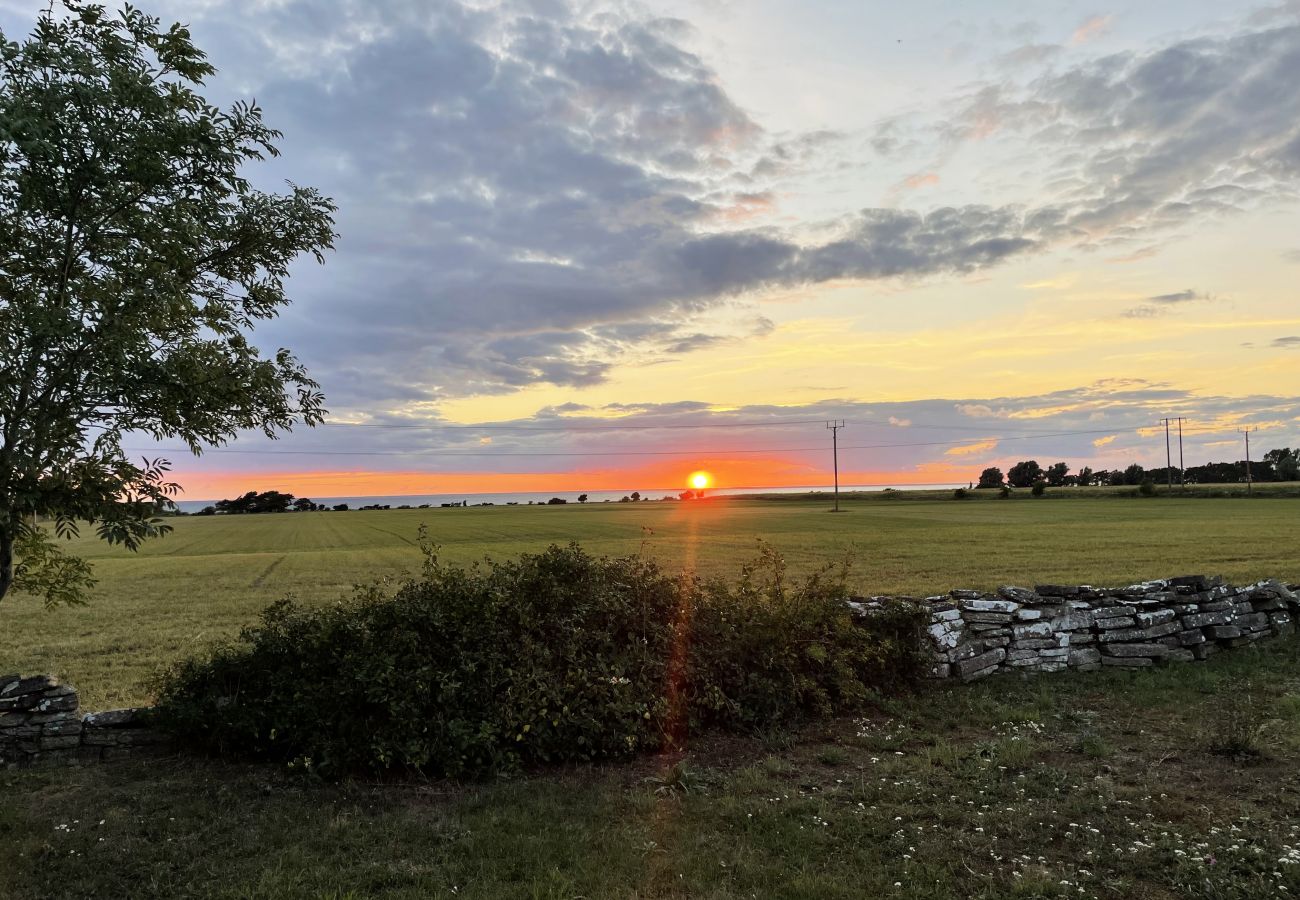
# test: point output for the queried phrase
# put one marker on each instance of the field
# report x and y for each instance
(1114, 785)
(214, 574)
(1177, 782)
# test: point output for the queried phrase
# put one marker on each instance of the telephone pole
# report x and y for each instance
(1182, 471)
(1169, 463)
(835, 426)
(1246, 432)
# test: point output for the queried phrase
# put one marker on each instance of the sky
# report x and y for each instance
(598, 246)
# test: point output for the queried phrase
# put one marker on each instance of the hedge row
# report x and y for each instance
(554, 657)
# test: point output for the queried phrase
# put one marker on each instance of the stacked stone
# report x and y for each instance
(40, 722)
(1054, 627)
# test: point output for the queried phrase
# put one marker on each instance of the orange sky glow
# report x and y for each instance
(657, 476)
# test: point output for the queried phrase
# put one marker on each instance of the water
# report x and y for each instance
(522, 498)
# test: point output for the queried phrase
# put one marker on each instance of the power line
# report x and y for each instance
(692, 452)
(779, 423)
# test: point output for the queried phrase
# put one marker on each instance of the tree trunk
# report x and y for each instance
(6, 562)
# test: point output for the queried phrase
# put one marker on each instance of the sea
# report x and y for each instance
(520, 498)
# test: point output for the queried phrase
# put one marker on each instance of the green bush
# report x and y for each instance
(554, 657)
(959, 494)
(1039, 488)
(1147, 489)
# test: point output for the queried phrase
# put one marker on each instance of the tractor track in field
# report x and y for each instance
(260, 579)
(394, 534)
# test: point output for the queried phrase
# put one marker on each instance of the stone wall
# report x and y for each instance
(972, 634)
(40, 721)
(1056, 627)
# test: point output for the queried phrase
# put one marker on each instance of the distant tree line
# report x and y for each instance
(263, 502)
(1276, 465)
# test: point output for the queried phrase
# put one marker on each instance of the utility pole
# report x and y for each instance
(1169, 463)
(835, 427)
(1246, 432)
(1182, 471)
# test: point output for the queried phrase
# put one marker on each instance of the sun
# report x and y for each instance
(700, 480)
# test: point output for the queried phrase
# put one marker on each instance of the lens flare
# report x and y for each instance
(700, 480)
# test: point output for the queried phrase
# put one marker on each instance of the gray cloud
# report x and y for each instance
(1185, 296)
(1291, 340)
(533, 193)
(1153, 139)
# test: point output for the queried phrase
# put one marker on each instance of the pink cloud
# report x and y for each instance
(1091, 29)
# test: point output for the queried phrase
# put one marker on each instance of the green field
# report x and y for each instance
(214, 574)
(1113, 785)
(1176, 782)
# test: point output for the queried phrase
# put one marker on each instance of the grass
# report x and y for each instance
(1104, 785)
(215, 574)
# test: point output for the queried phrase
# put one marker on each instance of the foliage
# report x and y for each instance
(1135, 474)
(959, 494)
(134, 260)
(1024, 473)
(553, 657)
(1147, 488)
(1039, 488)
(990, 478)
(264, 502)
(1056, 474)
(1005, 493)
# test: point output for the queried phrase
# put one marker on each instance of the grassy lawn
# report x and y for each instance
(213, 575)
(1103, 785)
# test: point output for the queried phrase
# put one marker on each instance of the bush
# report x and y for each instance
(1039, 488)
(554, 657)
(1147, 489)
(1005, 492)
(959, 494)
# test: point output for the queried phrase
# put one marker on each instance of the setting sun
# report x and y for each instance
(700, 480)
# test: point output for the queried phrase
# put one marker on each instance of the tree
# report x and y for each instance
(1135, 474)
(135, 260)
(1285, 463)
(582, 498)
(990, 478)
(1056, 474)
(1085, 477)
(340, 507)
(636, 496)
(302, 504)
(1023, 474)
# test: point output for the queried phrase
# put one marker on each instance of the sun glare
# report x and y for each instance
(700, 480)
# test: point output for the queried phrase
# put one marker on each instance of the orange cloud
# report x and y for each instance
(968, 449)
(1091, 29)
(920, 180)
(1103, 441)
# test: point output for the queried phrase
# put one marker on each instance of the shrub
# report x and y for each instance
(1039, 488)
(554, 657)
(1147, 489)
(1005, 492)
(959, 494)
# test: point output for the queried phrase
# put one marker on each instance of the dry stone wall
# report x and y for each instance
(972, 634)
(1056, 627)
(40, 721)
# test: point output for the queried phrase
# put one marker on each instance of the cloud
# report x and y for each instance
(926, 179)
(1142, 141)
(1291, 340)
(1103, 441)
(1144, 312)
(1178, 297)
(1090, 29)
(538, 193)
(972, 449)
(977, 410)
(1291, 255)
(899, 422)
(539, 197)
